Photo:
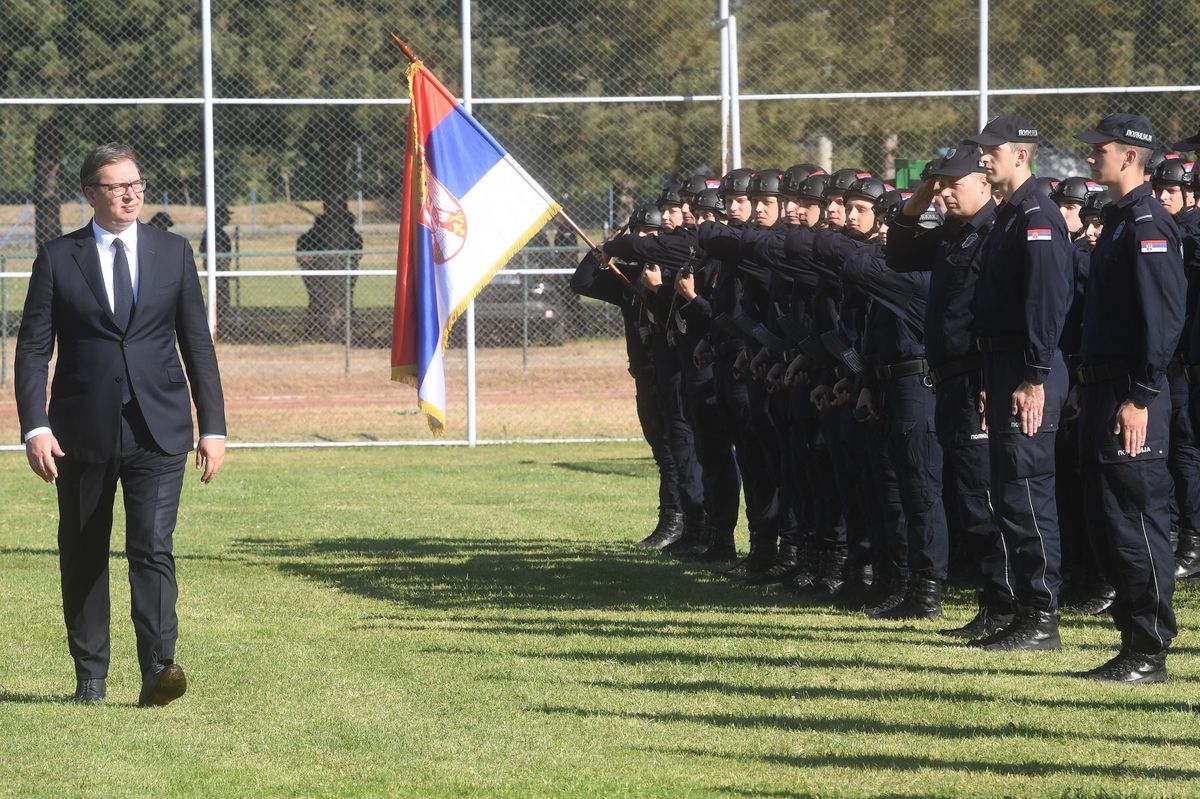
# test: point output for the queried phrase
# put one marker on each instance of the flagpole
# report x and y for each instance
(587, 240)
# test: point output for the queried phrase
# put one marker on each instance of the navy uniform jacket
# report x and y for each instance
(1189, 229)
(895, 325)
(590, 280)
(67, 305)
(1071, 341)
(1134, 309)
(954, 255)
(1024, 287)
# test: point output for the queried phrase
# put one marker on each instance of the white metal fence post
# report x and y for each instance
(470, 315)
(210, 168)
(735, 100)
(983, 63)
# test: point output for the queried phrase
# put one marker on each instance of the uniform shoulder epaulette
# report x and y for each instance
(1031, 204)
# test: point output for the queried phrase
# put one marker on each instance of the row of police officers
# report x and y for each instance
(988, 377)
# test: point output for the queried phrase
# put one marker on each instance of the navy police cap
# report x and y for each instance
(1130, 129)
(1006, 128)
(959, 161)
(1187, 145)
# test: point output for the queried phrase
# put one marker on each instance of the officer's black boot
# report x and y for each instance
(833, 574)
(1030, 631)
(721, 549)
(784, 566)
(808, 566)
(706, 541)
(1131, 667)
(695, 525)
(989, 619)
(897, 590)
(923, 601)
(761, 557)
(669, 529)
(1187, 556)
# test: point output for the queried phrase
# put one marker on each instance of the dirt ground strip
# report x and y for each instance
(303, 393)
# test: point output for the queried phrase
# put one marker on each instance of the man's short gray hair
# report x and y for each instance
(102, 156)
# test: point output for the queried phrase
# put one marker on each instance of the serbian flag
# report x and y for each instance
(467, 208)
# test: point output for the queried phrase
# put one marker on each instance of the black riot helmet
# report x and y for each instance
(672, 194)
(1094, 205)
(813, 188)
(736, 182)
(766, 183)
(890, 205)
(708, 200)
(1071, 190)
(1046, 184)
(1156, 158)
(1172, 172)
(645, 216)
(871, 189)
(794, 177)
(696, 184)
(842, 179)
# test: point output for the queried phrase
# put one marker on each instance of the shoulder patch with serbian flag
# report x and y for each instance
(1038, 234)
(1154, 245)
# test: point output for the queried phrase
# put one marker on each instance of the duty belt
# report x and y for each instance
(895, 371)
(1000, 343)
(959, 366)
(1101, 372)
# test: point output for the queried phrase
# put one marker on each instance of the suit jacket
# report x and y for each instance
(67, 305)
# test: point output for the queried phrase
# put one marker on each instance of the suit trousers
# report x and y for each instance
(151, 481)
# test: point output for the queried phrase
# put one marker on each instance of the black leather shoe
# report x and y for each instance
(1131, 668)
(1031, 631)
(89, 692)
(162, 684)
(1187, 556)
(898, 590)
(695, 535)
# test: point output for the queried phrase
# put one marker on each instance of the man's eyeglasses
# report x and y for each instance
(119, 189)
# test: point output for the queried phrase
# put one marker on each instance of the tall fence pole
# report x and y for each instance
(470, 315)
(735, 100)
(723, 22)
(983, 63)
(3, 323)
(210, 169)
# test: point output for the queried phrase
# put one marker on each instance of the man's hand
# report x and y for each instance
(1027, 403)
(685, 286)
(981, 406)
(841, 392)
(703, 355)
(866, 400)
(740, 365)
(1130, 425)
(41, 450)
(1072, 406)
(820, 396)
(210, 454)
(795, 370)
(774, 379)
(652, 278)
(758, 364)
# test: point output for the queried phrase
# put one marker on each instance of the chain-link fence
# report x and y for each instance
(599, 100)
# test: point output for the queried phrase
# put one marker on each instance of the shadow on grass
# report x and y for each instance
(443, 574)
(892, 762)
(893, 694)
(9, 697)
(841, 725)
(639, 468)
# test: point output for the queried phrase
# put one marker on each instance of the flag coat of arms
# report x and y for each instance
(467, 208)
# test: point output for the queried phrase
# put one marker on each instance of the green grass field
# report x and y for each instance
(447, 622)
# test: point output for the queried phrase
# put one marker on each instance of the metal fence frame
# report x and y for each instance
(729, 97)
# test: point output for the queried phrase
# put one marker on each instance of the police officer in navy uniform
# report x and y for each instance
(1133, 318)
(954, 254)
(1021, 300)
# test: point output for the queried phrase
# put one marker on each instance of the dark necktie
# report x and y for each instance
(122, 286)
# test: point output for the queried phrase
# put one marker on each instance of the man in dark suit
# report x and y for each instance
(116, 297)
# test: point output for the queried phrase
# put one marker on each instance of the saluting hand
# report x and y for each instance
(1130, 425)
(1027, 402)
